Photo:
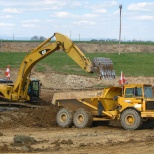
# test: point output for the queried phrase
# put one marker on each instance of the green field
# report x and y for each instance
(132, 64)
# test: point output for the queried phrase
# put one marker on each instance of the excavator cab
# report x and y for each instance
(34, 90)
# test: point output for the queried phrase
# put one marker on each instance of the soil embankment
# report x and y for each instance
(84, 47)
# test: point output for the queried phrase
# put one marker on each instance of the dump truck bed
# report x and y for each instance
(75, 95)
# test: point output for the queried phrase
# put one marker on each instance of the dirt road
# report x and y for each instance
(99, 140)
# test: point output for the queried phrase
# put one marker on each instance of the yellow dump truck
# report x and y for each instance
(132, 104)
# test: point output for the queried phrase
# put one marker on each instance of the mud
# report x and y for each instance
(38, 117)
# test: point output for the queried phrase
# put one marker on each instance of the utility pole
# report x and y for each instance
(79, 37)
(120, 7)
(70, 34)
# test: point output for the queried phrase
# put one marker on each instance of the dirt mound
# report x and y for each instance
(37, 117)
(84, 47)
(56, 81)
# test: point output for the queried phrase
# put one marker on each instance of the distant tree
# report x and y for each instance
(35, 38)
(134, 40)
(102, 40)
(114, 40)
(42, 38)
(38, 38)
(108, 39)
(93, 40)
(149, 41)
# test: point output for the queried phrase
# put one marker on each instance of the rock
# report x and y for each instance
(26, 148)
(1, 134)
(24, 139)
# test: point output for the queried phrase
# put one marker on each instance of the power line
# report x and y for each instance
(120, 7)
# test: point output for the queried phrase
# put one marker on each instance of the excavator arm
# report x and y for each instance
(47, 48)
(74, 52)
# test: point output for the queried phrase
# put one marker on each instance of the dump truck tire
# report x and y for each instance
(64, 117)
(82, 118)
(131, 119)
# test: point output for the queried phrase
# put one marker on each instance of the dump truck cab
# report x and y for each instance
(135, 105)
(132, 104)
(138, 96)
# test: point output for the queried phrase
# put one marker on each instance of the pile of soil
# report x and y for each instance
(37, 117)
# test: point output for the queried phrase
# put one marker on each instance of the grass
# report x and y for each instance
(132, 64)
(12, 58)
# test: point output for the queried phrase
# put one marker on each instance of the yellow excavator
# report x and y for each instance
(26, 89)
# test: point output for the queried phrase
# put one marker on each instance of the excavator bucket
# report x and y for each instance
(104, 67)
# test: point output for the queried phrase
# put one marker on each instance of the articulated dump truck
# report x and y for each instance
(132, 104)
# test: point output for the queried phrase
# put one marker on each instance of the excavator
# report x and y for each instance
(25, 89)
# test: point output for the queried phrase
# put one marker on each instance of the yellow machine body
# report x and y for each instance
(131, 104)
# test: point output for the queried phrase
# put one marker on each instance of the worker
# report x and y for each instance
(7, 72)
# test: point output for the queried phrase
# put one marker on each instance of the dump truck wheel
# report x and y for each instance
(64, 117)
(131, 119)
(82, 118)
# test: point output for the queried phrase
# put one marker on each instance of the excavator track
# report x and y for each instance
(8, 105)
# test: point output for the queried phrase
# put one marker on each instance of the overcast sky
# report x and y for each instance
(85, 18)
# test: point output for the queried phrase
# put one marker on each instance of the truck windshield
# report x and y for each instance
(133, 92)
(148, 92)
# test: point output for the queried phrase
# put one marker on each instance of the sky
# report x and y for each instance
(78, 19)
